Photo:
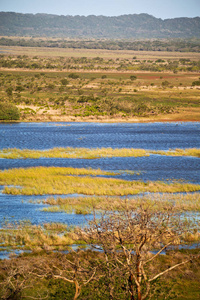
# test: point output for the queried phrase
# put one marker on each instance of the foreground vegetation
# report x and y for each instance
(89, 153)
(181, 284)
(122, 265)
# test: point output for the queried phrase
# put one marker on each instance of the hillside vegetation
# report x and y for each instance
(125, 26)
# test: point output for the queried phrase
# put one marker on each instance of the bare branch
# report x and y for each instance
(153, 257)
(168, 270)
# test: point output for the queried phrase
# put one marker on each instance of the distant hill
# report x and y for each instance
(125, 26)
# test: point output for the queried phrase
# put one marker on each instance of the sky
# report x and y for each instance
(164, 9)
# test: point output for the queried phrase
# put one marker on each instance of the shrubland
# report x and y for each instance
(70, 88)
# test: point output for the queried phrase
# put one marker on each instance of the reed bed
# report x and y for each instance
(86, 205)
(50, 236)
(94, 153)
(56, 180)
(27, 236)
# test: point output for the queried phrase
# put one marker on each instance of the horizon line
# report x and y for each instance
(92, 15)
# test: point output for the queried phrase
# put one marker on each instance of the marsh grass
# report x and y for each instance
(71, 153)
(56, 180)
(95, 153)
(179, 152)
(58, 236)
(86, 205)
(27, 236)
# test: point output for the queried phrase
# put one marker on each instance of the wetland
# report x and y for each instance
(98, 139)
(93, 160)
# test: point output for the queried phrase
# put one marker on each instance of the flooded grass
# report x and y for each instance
(56, 180)
(86, 205)
(58, 236)
(27, 236)
(94, 153)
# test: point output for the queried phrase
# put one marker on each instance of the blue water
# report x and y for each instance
(91, 135)
(158, 136)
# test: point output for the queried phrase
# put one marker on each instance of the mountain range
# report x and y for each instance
(136, 26)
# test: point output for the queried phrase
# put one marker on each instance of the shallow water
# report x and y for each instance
(158, 136)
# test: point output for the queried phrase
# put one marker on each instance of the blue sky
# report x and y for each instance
(159, 8)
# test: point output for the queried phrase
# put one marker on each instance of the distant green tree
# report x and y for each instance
(165, 83)
(73, 76)
(8, 111)
(9, 91)
(196, 83)
(64, 81)
(133, 77)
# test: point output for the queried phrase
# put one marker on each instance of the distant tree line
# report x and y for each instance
(178, 45)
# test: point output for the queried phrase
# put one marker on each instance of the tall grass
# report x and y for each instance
(180, 202)
(49, 236)
(27, 236)
(55, 180)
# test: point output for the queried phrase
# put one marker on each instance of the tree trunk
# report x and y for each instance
(139, 274)
(131, 286)
(78, 290)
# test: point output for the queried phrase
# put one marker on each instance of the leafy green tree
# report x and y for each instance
(8, 111)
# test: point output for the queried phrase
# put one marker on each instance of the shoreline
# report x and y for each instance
(106, 121)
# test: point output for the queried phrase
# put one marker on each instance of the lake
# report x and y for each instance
(154, 136)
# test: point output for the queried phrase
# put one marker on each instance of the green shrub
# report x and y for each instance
(165, 83)
(133, 77)
(196, 83)
(64, 81)
(8, 111)
(73, 76)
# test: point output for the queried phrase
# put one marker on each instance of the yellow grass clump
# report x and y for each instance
(86, 153)
(47, 237)
(56, 180)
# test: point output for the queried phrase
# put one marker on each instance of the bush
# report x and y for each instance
(73, 76)
(9, 111)
(133, 77)
(64, 81)
(165, 83)
(196, 83)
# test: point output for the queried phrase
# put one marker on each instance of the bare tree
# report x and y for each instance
(77, 268)
(17, 275)
(15, 278)
(128, 239)
(125, 262)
